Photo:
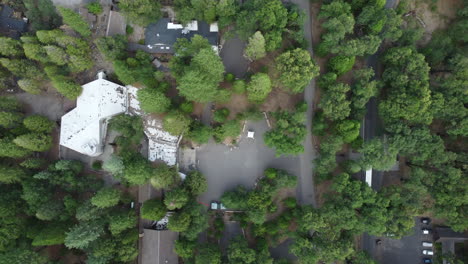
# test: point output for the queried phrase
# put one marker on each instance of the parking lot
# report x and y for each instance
(225, 167)
(407, 250)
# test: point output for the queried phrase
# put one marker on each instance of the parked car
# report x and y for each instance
(426, 231)
(427, 261)
(426, 220)
(426, 244)
(428, 252)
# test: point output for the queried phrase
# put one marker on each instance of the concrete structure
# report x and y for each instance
(83, 129)
(158, 247)
(161, 36)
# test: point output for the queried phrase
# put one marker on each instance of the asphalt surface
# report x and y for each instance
(225, 167)
(306, 189)
(407, 250)
(232, 54)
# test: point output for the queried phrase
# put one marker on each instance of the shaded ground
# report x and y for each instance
(225, 168)
(231, 230)
(47, 105)
(282, 251)
(233, 58)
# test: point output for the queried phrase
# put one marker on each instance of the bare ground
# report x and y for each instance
(437, 18)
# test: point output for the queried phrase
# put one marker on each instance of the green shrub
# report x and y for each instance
(351, 166)
(94, 8)
(186, 107)
(271, 173)
(319, 125)
(128, 29)
(200, 133)
(153, 101)
(238, 86)
(176, 123)
(341, 64)
(229, 77)
(29, 86)
(97, 165)
(33, 163)
(75, 21)
(290, 202)
(38, 123)
(229, 129)
(153, 210)
(34, 141)
(106, 197)
(221, 115)
(10, 119)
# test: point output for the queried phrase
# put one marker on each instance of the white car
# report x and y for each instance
(426, 244)
(426, 231)
(428, 252)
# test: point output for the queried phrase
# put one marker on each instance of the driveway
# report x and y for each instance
(232, 54)
(407, 250)
(225, 168)
(306, 188)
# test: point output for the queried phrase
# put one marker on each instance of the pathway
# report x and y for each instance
(306, 188)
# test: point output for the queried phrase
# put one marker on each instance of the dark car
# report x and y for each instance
(427, 260)
(426, 220)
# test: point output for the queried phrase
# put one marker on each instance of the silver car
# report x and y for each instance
(427, 244)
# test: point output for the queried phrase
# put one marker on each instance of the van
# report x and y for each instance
(426, 244)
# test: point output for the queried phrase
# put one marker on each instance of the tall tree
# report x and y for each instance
(75, 21)
(255, 48)
(140, 12)
(296, 69)
(259, 87)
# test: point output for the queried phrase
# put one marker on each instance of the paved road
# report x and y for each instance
(407, 250)
(306, 189)
(225, 168)
(371, 120)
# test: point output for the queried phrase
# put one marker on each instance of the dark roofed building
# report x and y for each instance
(445, 233)
(9, 25)
(161, 36)
(447, 237)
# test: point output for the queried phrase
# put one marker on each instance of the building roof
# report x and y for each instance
(9, 25)
(162, 35)
(161, 144)
(446, 233)
(158, 247)
(83, 128)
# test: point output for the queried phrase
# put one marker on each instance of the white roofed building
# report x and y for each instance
(83, 129)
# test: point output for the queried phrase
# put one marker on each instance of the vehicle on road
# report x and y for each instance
(426, 231)
(251, 134)
(426, 244)
(428, 252)
(426, 220)
(427, 260)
